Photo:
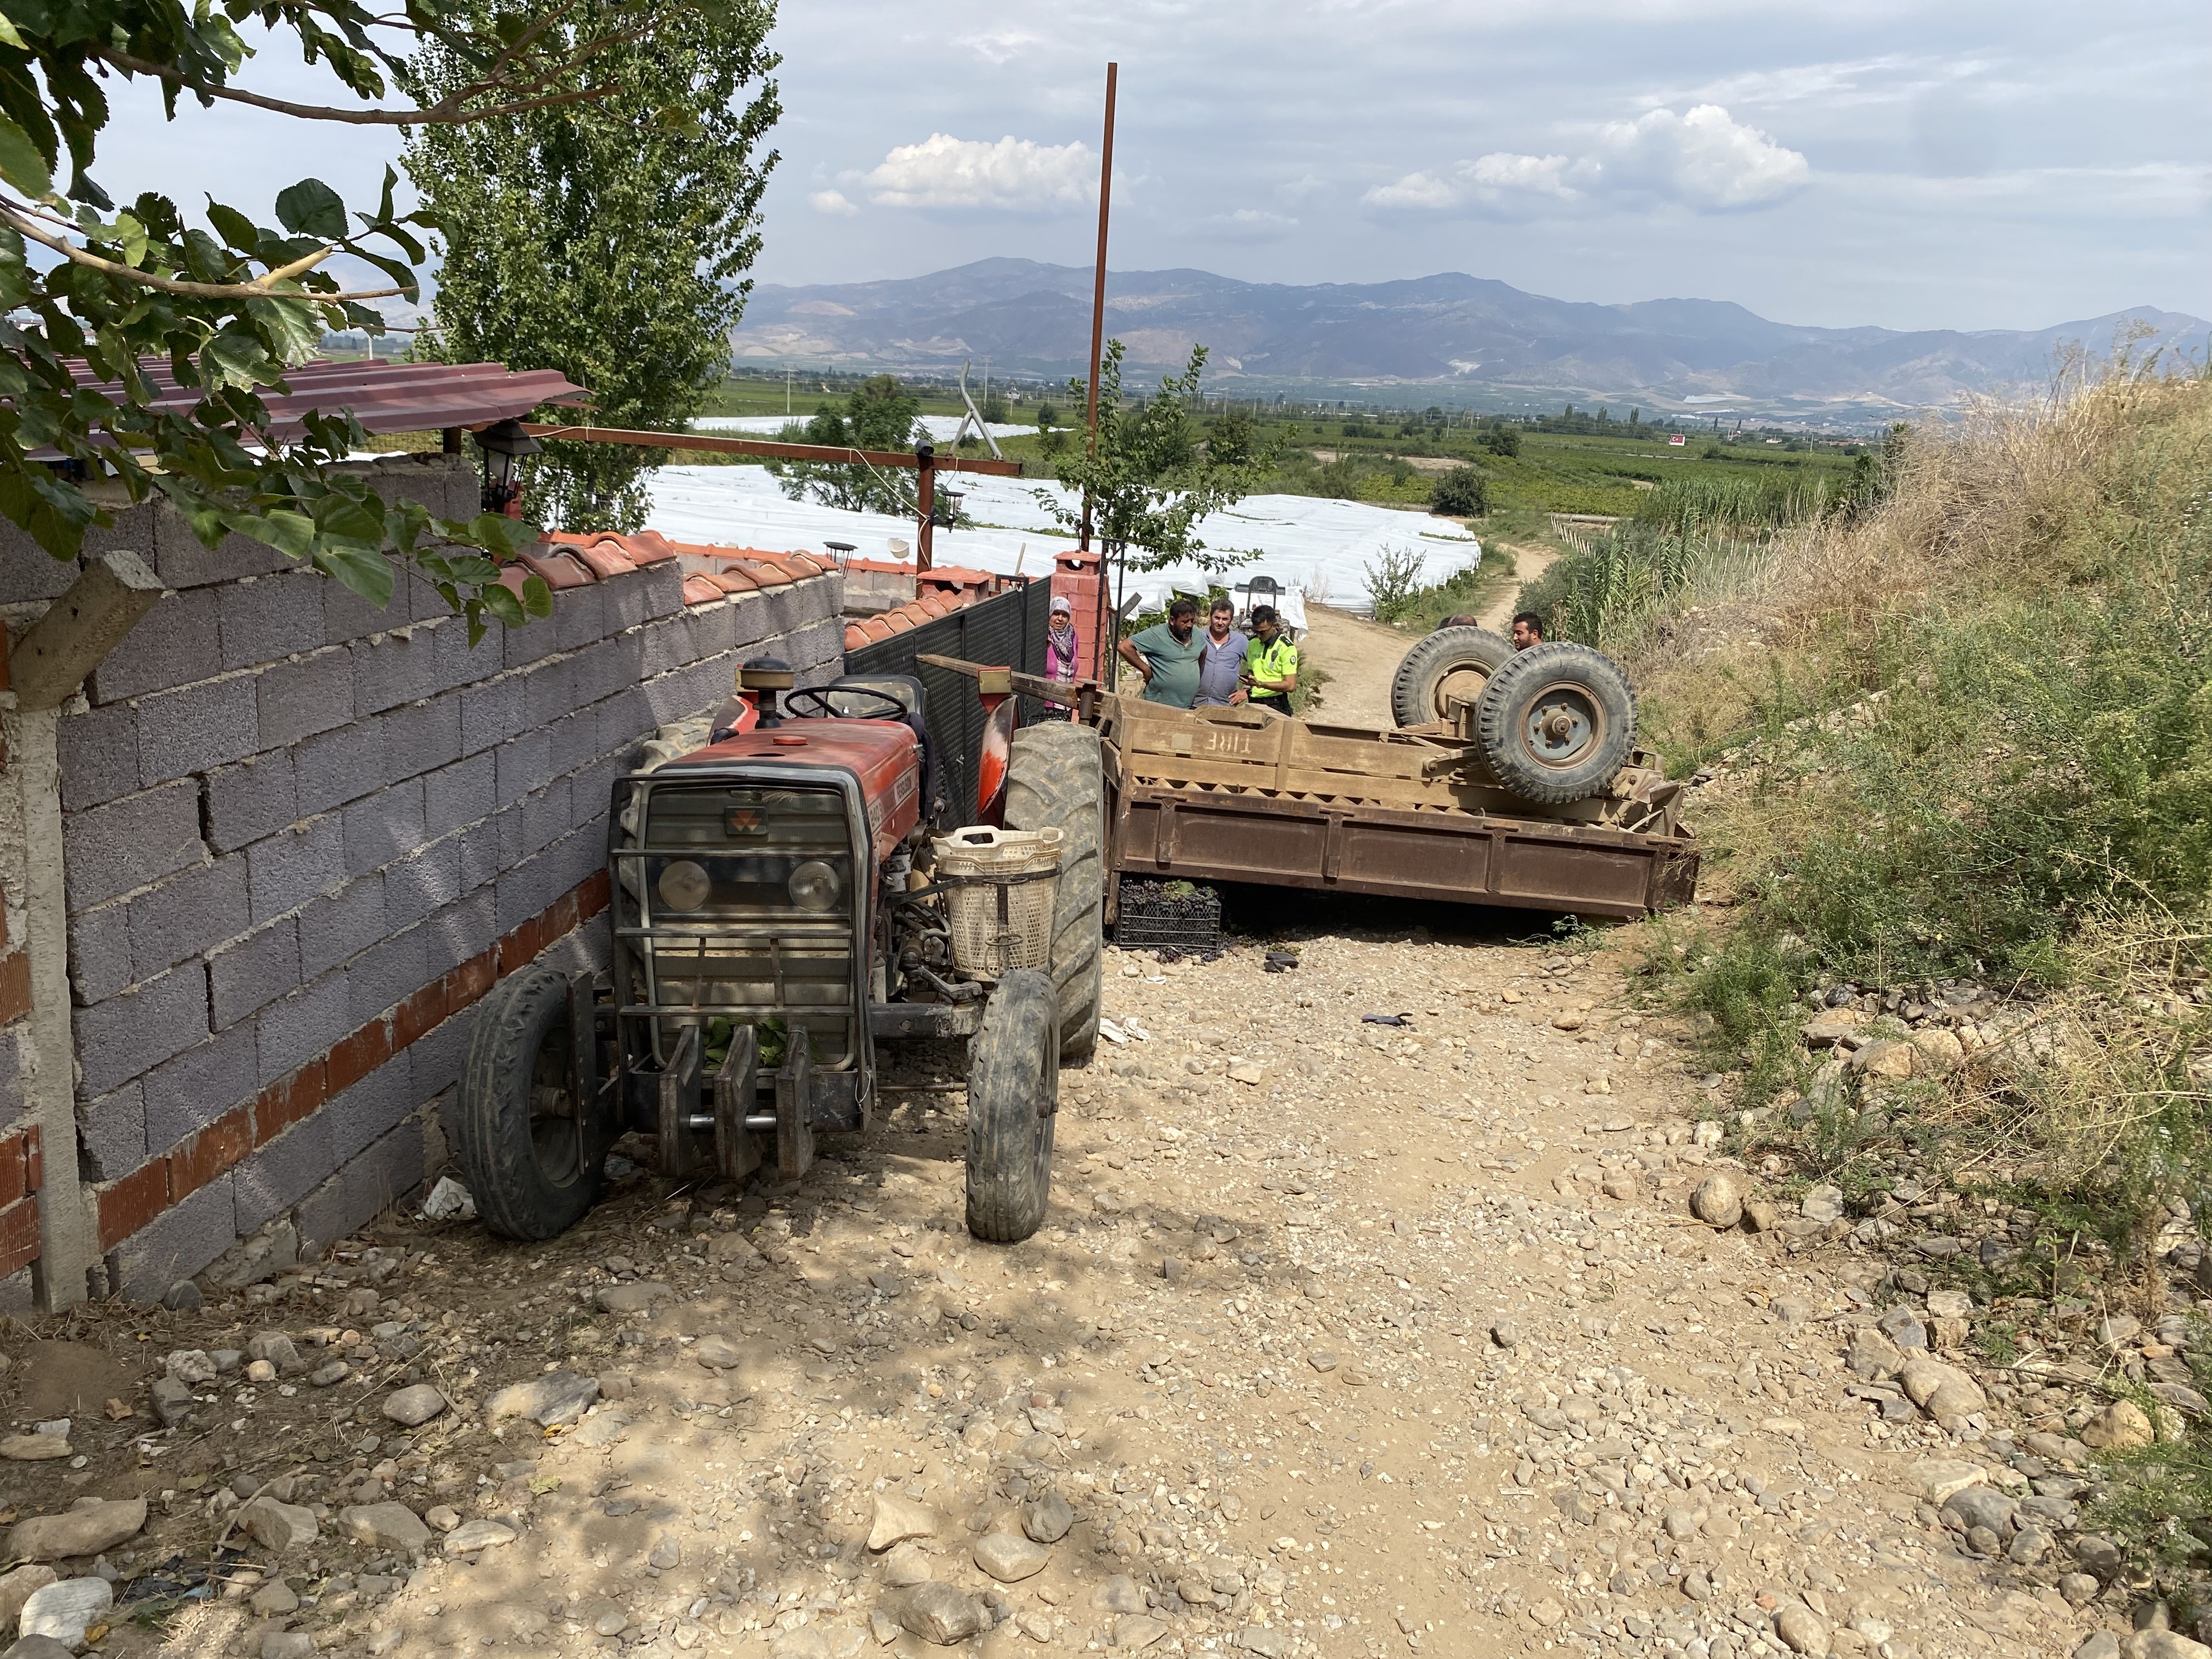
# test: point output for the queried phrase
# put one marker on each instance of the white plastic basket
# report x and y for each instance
(1001, 912)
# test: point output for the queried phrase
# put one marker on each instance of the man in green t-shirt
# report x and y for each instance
(1271, 662)
(1168, 655)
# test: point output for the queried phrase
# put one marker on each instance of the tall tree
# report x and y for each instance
(878, 414)
(607, 240)
(226, 302)
(1148, 480)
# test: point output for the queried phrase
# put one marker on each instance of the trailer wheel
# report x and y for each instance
(1557, 723)
(1054, 781)
(531, 1174)
(1451, 665)
(1013, 1097)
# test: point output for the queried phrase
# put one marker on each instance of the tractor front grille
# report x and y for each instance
(741, 900)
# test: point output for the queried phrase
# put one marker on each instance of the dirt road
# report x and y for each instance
(1358, 656)
(1340, 1339)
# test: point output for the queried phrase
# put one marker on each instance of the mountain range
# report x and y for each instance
(1451, 338)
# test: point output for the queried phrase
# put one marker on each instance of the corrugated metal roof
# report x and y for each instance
(383, 396)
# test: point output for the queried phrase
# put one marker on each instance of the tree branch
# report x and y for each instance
(256, 289)
(446, 111)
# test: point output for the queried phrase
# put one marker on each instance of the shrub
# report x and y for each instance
(1503, 441)
(1462, 493)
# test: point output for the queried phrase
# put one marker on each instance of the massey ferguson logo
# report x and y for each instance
(744, 820)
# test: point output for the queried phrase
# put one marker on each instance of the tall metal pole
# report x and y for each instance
(1098, 650)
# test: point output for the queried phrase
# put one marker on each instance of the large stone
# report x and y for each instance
(1048, 1518)
(2099, 1644)
(1823, 1204)
(65, 1610)
(279, 1349)
(279, 1527)
(16, 1589)
(937, 1612)
(2121, 1427)
(1801, 1630)
(34, 1448)
(637, 1296)
(1133, 1631)
(549, 1400)
(1718, 1201)
(1939, 1389)
(473, 1535)
(1837, 1025)
(385, 1527)
(190, 1366)
(2163, 1644)
(410, 1407)
(718, 1353)
(1936, 1479)
(1886, 1058)
(905, 1566)
(896, 1520)
(1120, 1593)
(38, 1647)
(1873, 1356)
(1940, 1051)
(1979, 1506)
(93, 1525)
(1010, 1557)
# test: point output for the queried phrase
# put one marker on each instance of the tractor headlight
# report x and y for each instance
(814, 886)
(684, 886)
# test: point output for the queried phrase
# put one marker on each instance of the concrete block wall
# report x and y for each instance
(21, 1166)
(302, 837)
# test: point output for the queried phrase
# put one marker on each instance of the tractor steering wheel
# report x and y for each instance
(821, 703)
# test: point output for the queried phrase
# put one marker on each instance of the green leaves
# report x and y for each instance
(312, 208)
(20, 164)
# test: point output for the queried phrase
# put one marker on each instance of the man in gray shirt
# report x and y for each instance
(1220, 670)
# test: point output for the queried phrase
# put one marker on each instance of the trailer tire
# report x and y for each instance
(1557, 723)
(1451, 664)
(1055, 781)
(1013, 1101)
(529, 1175)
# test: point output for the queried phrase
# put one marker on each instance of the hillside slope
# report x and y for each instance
(1475, 335)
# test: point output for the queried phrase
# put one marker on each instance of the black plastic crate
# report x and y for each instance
(1180, 914)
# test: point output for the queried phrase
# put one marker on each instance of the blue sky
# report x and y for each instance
(1963, 165)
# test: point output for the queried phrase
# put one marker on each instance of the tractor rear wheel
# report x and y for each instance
(531, 1168)
(1557, 723)
(1013, 1098)
(1054, 780)
(1450, 665)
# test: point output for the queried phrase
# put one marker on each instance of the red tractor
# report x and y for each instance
(777, 911)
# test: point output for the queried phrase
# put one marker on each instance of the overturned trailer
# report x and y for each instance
(1243, 794)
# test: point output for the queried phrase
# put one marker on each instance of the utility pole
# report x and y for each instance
(786, 391)
(1099, 663)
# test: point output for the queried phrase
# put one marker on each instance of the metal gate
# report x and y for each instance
(1007, 630)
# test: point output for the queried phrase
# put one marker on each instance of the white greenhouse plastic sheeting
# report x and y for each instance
(1317, 548)
(940, 428)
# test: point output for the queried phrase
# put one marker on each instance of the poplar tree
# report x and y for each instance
(608, 241)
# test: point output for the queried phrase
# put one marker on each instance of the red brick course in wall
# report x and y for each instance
(127, 1205)
(22, 1171)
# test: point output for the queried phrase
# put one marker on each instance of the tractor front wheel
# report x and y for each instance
(531, 1168)
(1013, 1097)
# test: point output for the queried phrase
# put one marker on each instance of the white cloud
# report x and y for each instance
(997, 46)
(832, 201)
(1254, 222)
(1705, 160)
(1014, 174)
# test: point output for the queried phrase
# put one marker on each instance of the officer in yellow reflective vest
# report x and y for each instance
(1271, 662)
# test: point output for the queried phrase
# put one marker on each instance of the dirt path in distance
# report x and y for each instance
(1530, 561)
(1358, 657)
